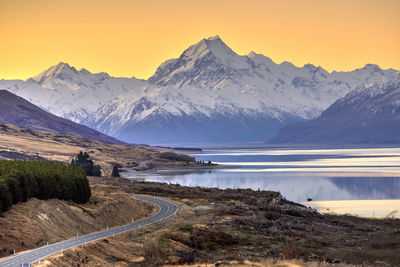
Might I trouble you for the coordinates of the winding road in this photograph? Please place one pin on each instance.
(166, 210)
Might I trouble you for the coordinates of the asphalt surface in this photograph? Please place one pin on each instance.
(166, 210)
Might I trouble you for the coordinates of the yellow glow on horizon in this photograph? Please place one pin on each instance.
(379, 208)
(132, 38)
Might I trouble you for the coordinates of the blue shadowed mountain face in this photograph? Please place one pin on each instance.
(367, 115)
(159, 128)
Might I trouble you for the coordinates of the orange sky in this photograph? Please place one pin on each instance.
(132, 38)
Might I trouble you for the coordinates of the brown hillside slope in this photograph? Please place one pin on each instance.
(19, 112)
(19, 143)
(31, 224)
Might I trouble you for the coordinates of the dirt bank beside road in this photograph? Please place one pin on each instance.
(36, 222)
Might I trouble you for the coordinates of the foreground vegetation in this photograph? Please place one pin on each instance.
(223, 226)
(21, 180)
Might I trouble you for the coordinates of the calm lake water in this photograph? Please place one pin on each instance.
(325, 175)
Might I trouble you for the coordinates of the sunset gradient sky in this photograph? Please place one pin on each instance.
(132, 38)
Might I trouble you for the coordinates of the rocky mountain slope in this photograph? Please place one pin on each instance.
(369, 114)
(16, 110)
(208, 94)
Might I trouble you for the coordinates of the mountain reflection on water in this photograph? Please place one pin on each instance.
(320, 174)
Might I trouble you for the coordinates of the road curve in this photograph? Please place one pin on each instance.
(166, 210)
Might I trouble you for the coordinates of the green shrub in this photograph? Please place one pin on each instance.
(21, 180)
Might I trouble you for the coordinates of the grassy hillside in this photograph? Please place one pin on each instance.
(19, 143)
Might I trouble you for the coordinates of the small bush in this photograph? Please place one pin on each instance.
(155, 252)
(186, 227)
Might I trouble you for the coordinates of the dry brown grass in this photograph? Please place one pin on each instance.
(268, 263)
(63, 148)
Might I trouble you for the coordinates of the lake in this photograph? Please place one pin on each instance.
(329, 176)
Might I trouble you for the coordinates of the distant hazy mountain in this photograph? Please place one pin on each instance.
(208, 94)
(368, 114)
(16, 110)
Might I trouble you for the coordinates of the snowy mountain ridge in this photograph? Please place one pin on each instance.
(208, 86)
(367, 115)
(211, 82)
(69, 93)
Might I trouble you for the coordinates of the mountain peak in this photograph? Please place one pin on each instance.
(252, 54)
(312, 68)
(84, 71)
(61, 67)
(372, 67)
(213, 45)
(214, 38)
(199, 59)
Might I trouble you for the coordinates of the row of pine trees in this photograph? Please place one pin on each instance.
(21, 180)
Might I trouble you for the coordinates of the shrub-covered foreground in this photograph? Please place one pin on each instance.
(21, 180)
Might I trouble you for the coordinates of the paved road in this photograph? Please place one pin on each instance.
(166, 209)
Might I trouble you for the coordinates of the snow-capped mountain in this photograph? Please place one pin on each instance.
(69, 93)
(211, 94)
(208, 94)
(368, 114)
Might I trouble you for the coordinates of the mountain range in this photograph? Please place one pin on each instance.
(208, 94)
(17, 111)
(70, 93)
(368, 114)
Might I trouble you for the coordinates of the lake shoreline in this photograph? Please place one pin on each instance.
(176, 169)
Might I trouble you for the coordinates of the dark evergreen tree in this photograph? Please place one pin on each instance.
(115, 171)
(83, 160)
(96, 170)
